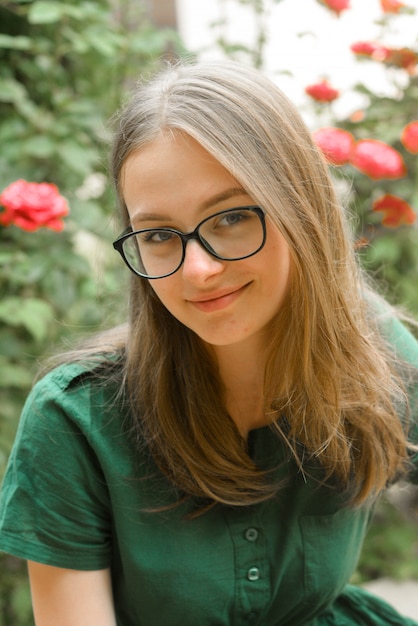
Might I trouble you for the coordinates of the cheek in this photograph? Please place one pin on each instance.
(157, 290)
(279, 257)
(286, 267)
(166, 290)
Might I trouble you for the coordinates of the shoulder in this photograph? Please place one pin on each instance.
(395, 329)
(70, 439)
(96, 362)
(402, 347)
(74, 374)
(80, 393)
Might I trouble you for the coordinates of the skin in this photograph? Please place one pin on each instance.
(65, 597)
(174, 182)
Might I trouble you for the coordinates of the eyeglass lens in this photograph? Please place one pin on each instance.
(229, 235)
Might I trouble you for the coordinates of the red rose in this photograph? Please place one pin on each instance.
(335, 143)
(395, 211)
(33, 205)
(377, 159)
(357, 116)
(370, 49)
(409, 137)
(322, 91)
(336, 5)
(402, 57)
(391, 6)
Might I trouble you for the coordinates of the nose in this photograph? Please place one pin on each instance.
(199, 264)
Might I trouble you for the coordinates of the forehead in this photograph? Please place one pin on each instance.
(171, 171)
(171, 148)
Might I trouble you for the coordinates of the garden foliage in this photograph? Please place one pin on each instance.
(379, 169)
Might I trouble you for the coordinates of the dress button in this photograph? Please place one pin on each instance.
(253, 573)
(251, 534)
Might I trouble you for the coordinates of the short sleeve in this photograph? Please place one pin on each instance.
(405, 349)
(54, 505)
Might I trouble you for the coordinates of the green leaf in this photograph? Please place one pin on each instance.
(77, 157)
(21, 602)
(88, 215)
(16, 43)
(32, 313)
(41, 147)
(107, 46)
(48, 12)
(11, 90)
(62, 289)
(44, 12)
(12, 375)
(384, 250)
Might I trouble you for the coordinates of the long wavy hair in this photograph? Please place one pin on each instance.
(328, 377)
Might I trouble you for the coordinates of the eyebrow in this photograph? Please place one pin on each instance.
(207, 204)
(224, 195)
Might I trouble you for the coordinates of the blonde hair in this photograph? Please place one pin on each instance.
(328, 374)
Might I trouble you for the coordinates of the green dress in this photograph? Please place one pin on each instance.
(77, 494)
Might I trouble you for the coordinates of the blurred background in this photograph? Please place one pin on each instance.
(349, 65)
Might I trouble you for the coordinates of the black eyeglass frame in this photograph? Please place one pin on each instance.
(185, 237)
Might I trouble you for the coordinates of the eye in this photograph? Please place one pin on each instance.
(233, 218)
(156, 237)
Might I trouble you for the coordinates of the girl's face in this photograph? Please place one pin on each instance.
(173, 182)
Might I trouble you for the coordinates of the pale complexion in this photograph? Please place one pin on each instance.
(173, 182)
(65, 597)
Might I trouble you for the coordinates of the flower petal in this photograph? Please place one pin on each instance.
(31, 205)
(377, 160)
(336, 5)
(409, 137)
(404, 58)
(396, 211)
(370, 49)
(322, 91)
(335, 143)
(391, 6)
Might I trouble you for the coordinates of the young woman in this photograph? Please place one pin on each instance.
(217, 460)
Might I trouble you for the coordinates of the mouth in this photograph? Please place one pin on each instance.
(217, 300)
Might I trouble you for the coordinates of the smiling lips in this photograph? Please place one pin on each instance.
(214, 302)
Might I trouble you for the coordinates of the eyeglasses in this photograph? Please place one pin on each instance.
(229, 235)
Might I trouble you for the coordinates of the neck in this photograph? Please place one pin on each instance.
(241, 368)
